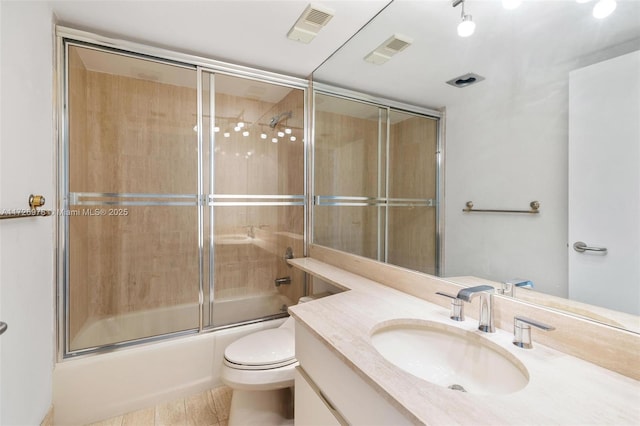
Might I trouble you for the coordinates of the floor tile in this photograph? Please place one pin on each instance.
(201, 410)
(222, 400)
(144, 417)
(171, 414)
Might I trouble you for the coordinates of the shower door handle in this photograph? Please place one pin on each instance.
(3, 327)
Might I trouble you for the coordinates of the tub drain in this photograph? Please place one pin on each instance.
(458, 388)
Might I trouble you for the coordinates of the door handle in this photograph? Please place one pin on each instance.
(581, 247)
(3, 327)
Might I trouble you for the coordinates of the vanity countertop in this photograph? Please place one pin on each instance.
(562, 389)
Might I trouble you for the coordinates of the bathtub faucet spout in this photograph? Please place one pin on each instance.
(282, 281)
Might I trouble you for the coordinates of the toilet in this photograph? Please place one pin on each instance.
(259, 368)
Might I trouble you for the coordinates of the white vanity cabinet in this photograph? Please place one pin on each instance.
(328, 392)
(311, 407)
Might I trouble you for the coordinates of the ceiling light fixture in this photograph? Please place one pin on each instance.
(604, 8)
(467, 26)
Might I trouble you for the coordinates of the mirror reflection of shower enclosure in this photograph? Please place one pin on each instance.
(180, 198)
(376, 182)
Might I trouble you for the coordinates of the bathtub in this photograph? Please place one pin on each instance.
(153, 322)
(91, 388)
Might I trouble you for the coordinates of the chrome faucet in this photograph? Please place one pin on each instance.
(509, 286)
(522, 331)
(457, 307)
(485, 320)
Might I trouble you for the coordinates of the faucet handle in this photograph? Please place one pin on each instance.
(457, 307)
(522, 331)
(508, 288)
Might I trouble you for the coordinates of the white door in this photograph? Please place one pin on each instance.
(604, 183)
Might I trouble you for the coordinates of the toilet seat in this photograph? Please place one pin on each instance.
(264, 350)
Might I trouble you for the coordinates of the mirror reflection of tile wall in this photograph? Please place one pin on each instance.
(352, 158)
(411, 241)
(346, 164)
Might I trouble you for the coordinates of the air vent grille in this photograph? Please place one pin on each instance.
(386, 50)
(309, 23)
(397, 44)
(317, 17)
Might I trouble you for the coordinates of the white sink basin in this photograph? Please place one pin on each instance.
(450, 357)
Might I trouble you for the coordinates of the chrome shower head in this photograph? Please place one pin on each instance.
(278, 118)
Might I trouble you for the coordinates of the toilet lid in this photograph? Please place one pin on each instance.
(266, 347)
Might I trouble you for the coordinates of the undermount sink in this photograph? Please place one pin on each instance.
(451, 357)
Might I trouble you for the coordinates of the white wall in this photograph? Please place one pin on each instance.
(26, 245)
(507, 146)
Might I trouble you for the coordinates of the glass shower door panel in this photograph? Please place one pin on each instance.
(133, 265)
(349, 176)
(131, 125)
(348, 150)
(349, 228)
(411, 239)
(133, 273)
(413, 146)
(412, 191)
(256, 197)
(252, 278)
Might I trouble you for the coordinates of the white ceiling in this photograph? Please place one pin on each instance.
(517, 49)
(251, 33)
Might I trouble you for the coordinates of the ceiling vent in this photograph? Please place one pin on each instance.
(394, 44)
(465, 80)
(310, 23)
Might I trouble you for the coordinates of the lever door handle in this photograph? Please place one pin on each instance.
(581, 247)
(3, 327)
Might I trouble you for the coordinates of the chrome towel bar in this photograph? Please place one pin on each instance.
(535, 206)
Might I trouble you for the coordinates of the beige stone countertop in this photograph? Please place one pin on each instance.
(562, 389)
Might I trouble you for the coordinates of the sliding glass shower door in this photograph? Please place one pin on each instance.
(183, 191)
(255, 203)
(132, 206)
(375, 182)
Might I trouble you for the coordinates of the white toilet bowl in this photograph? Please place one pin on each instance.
(260, 369)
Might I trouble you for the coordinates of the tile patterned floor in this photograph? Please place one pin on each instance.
(210, 408)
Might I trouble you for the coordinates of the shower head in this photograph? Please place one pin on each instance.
(278, 118)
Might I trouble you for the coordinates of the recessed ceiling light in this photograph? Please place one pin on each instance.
(310, 23)
(465, 80)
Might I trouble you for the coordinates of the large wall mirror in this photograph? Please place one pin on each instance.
(547, 109)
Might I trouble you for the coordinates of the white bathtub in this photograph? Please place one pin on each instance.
(96, 387)
(153, 322)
